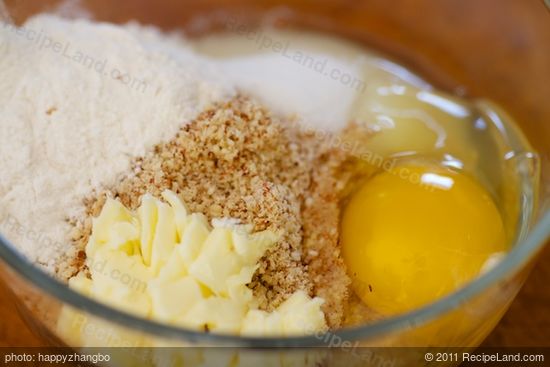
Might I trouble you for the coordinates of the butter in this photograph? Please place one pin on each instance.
(161, 262)
(298, 315)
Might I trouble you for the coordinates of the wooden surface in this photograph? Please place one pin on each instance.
(527, 323)
(502, 51)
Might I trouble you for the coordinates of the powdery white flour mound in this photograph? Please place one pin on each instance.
(79, 100)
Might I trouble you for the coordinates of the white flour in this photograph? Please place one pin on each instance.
(78, 101)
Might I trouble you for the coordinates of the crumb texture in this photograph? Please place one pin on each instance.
(237, 161)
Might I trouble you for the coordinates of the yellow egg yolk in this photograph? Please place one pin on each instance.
(414, 234)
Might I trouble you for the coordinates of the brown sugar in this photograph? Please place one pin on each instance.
(237, 161)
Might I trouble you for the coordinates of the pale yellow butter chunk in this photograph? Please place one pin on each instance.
(124, 236)
(163, 263)
(298, 315)
(258, 323)
(251, 247)
(173, 299)
(164, 240)
(115, 269)
(134, 302)
(216, 262)
(113, 212)
(147, 215)
(174, 269)
(216, 313)
(302, 315)
(180, 211)
(236, 284)
(193, 238)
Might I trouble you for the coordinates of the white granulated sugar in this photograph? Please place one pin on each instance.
(78, 101)
(320, 92)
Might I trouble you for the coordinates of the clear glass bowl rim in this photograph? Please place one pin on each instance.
(518, 257)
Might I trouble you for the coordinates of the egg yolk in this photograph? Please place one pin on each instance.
(414, 234)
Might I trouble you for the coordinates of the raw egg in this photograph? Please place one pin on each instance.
(416, 233)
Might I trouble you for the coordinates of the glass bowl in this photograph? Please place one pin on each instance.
(496, 50)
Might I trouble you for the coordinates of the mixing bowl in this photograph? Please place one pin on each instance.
(496, 50)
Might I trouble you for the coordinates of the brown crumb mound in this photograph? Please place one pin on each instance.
(237, 161)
